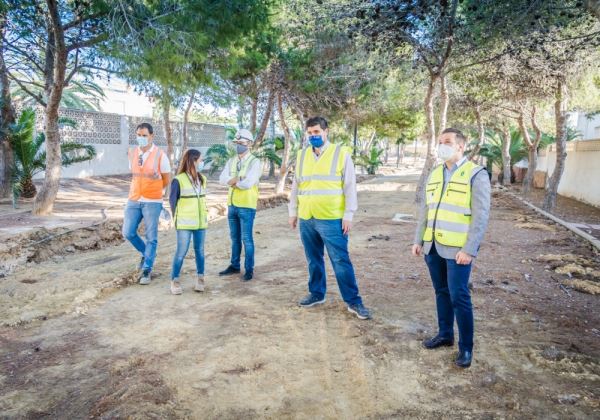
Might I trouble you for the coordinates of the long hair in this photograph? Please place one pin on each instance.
(188, 165)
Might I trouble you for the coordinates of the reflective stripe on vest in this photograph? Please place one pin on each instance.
(449, 214)
(242, 198)
(191, 212)
(320, 183)
(146, 179)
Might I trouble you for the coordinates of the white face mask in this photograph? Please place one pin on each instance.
(446, 152)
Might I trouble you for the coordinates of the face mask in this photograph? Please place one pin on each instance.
(142, 141)
(241, 148)
(445, 152)
(200, 166)
(316, 141)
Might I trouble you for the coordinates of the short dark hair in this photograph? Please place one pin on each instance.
(322, 122)
(147, 126)
(459, 134)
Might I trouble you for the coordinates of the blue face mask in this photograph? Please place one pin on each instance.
(142, 141)
(200, 166)
(241, 148)
(316, 141)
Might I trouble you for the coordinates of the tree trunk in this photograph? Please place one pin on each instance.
(532, 146)
(430, 158)
(265, 121)
(44, 200)
(166, 106)
(444, 102)
(186, 118)
(560, 115)
(593, 6)
(480, 134)
(387, 152)
(284, 170)
(506, 163)
(253, 113)
(7, 117)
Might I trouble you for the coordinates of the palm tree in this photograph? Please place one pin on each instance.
(492, 149)
(370, 160)
(31, 160)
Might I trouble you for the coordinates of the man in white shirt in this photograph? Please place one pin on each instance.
(242, 175)
(150, 169)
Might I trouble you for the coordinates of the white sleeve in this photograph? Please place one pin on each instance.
(165, 165)
(253, 177)
(224, 177)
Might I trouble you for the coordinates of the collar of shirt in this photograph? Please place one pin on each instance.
(456, 165)
(323, 148)
(147, 152)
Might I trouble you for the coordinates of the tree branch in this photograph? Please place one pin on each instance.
(88, 42)
(35, 96)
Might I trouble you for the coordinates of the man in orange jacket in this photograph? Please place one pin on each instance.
(150, 170)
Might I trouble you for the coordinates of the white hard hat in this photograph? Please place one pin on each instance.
(243, 134)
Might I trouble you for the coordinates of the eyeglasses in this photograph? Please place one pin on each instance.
(238, 136)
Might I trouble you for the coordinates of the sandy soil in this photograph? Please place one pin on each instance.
(77, 343)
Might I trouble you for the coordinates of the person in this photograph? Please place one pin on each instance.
(242, 175)
(150, 169)
(324, 198)
(188, 206)
(451, 225)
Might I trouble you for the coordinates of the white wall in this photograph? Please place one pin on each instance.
(581, 178)
(588, 127)
(112, 135)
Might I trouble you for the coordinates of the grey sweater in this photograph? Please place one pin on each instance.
(480, 213)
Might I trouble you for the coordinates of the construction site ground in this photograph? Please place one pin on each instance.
(80, 339)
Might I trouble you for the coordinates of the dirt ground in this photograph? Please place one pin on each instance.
(79, 339)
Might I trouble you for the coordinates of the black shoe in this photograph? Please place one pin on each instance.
(247, 276)
(311, 300)
(360, 311)
(229, 270)
(463, 360)
(437, 341)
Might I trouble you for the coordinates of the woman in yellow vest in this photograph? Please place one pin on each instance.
(242, 175)
(187, 199)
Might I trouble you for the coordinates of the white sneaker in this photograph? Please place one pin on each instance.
(199, 284)
(146, 277)
(176, 287)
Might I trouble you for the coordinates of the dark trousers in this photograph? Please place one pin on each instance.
(452, 297)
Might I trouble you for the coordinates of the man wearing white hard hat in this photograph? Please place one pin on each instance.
(241, 174)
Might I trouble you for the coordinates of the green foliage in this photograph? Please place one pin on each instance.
(30, 159)
(492, 149)
(370, 160)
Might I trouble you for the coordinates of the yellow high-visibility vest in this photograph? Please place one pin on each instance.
(449, 214)
(238, 197)
(320, 183)
(191, 212)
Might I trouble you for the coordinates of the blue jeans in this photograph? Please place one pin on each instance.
(317, 235)
(452, 297)
(135, 211)
(184, 237)
(241, 222)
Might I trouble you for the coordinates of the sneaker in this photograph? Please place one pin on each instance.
(199, 287)
(360, 311)
(247, 276)
(145, 277)
(311, 300)
(229, 270)
(176, 287)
